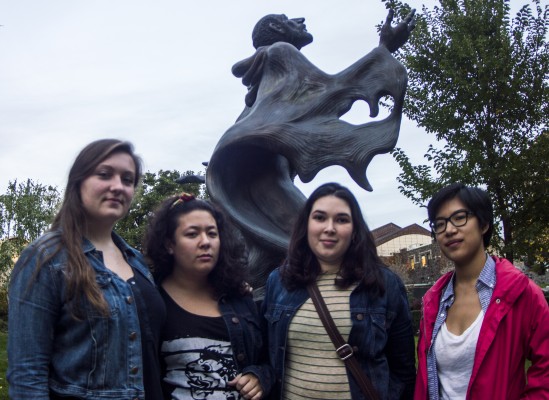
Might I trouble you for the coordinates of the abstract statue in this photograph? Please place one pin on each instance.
(290, 126)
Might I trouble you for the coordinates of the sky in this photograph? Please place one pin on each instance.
(158, 73)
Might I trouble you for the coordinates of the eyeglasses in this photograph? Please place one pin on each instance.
(458, 218)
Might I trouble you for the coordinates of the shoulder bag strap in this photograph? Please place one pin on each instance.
(343, 349)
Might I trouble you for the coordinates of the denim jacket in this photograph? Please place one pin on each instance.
(98, 357)
(244, 326)
(381, 334)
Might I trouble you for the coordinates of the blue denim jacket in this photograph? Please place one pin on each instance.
(244, 325)
(97, 357)
(381, 334)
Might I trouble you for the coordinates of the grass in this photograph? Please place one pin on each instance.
(3, 365)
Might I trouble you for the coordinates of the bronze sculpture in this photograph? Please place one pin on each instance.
(290, 126)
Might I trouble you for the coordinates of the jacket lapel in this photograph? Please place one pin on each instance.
(510, 283)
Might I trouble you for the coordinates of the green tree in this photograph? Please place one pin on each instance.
(533, 240)
(153, 190)
(478, 81)
(26, 211)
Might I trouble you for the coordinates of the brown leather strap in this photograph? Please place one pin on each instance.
(343, 349)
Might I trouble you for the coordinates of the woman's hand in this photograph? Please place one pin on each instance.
(248, 385)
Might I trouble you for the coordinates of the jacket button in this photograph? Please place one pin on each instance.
(133, 335)
(129, 299)
(360, 317)
(241, 357)
(498, 301)
(134, 370)
(355, 349)
(235, 320)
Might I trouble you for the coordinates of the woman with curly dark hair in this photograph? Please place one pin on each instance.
(332, 252)
(211, 343)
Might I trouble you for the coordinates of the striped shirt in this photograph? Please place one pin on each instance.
(485, 287)
(313, 369)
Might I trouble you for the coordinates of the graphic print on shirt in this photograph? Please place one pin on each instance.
(199, 368)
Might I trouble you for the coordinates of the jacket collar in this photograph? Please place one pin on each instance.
(510, 282)
(434, 294)
(125, 248)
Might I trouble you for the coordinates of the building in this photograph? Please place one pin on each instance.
(411, 252)
(391, 239)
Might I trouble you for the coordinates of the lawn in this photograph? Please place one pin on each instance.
(3, 365)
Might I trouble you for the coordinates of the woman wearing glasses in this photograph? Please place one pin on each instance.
(482, 320)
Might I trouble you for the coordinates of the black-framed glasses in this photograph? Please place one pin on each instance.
(458, 218)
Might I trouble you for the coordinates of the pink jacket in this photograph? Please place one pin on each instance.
(515, 327)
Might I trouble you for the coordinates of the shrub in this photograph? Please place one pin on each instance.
(416, 317)
(3, 302)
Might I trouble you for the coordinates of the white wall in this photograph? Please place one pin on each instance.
(403, 242)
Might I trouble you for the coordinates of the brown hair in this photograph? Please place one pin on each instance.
(361, 262)
(71, 223)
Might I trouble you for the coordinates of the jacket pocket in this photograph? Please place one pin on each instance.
(275, 331)
(104, 281)
(273, 314)
(378, 332)
(254, 330)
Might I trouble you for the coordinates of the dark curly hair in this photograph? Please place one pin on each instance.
(360, 263)
(229, 274)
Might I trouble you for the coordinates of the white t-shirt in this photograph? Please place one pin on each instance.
(455, 358)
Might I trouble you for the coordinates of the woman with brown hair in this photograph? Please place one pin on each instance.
(332, 256)
(83, 309)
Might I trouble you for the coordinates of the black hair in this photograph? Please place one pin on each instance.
(475, 199)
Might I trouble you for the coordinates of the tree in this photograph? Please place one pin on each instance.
(478, 81)
(534, 241)
(26, 211)
(154, 189)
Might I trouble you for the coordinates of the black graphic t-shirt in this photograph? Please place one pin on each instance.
(197, 356)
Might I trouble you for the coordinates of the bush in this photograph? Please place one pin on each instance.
(3, 309)
(415, 304)
(416, 318)
(3, 302)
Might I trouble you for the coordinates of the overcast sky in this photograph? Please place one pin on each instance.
(158, 73)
